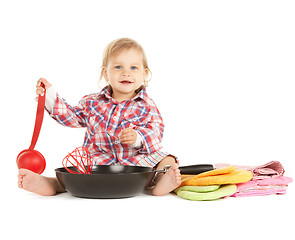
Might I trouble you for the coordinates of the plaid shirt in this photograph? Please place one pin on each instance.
(104, 118)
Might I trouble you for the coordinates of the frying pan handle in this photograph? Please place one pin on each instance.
(196, 169)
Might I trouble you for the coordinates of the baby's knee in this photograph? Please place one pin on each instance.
(170, 159)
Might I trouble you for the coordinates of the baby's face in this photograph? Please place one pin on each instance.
(125, 73)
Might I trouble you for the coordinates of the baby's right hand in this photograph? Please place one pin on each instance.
(39, 89)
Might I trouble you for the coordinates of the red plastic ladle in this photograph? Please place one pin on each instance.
(32, 159)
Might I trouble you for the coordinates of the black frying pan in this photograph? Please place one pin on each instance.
(115, 181)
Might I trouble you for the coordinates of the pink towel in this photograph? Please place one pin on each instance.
(261, 187)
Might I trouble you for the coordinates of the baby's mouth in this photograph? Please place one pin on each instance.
(125, 82)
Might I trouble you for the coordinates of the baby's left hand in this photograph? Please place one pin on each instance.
(128, 136)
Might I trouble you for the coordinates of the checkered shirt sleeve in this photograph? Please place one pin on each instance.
(69, 116)
(152, 132)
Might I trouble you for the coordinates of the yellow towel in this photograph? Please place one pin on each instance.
(218, 171)
(219, 176)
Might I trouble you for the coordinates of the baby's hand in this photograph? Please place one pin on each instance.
(128, 136)
(39, 89)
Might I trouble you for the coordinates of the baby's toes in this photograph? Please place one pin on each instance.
(178, 179)
(177, 176)
(177, 173)
(20, 182)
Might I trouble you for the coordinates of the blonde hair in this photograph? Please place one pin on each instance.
(117, 46)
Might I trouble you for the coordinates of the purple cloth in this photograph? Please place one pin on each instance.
(272, 169)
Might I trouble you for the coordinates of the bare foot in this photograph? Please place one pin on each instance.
(168, 182)
(35, 183)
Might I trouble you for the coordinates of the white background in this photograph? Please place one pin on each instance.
(223, 79)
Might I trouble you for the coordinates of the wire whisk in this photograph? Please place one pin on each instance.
(80, 159)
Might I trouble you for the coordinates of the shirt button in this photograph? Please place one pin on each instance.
(115, 118)
(117, 142)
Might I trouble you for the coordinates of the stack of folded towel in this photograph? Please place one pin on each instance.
(263, 187)
(267, 179)
(213, 184)
(234, 181)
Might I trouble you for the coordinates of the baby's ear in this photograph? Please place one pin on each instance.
(146, 73)
(104, 73)
(147, 77)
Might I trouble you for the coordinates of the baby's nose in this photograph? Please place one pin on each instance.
(126, 74)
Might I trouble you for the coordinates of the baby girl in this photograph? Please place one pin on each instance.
(123, 124)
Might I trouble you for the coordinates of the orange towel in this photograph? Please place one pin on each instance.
(219, 176)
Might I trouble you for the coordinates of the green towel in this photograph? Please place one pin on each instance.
(203, 193)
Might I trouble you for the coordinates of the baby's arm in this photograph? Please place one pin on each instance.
(58, 109)
(151, 134)
(50, 99)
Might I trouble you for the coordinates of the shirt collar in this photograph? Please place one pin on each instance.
(107, 92)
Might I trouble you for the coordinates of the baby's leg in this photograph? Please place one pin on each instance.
(39, 184)
(167, 182)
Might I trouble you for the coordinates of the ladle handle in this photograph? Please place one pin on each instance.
(39, 118)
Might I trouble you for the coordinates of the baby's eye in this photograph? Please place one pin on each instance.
(118, 67)
(133, 68)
